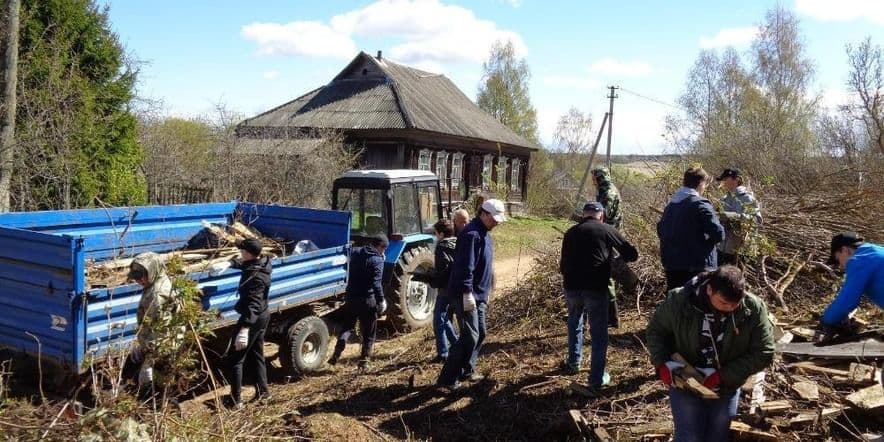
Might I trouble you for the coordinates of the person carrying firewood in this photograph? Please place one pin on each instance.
(740, 212)
(863, 264)
(364, 300)
(716, 333)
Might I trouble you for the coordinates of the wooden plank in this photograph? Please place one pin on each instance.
(775, 407)
(579, 422)
(862, 374)
(807, 390)
(810, 367)
(869, 349)
(869, 398)
(655, 428)
(601, 435)
(241, 229)
(742, 431)
(688, 369)
(803, 332)
(811, 416)
(690, 379)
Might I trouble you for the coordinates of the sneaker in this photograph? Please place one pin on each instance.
(606, 379)
(569, 369)
(333, 360)
(472, 377)
(364, 366)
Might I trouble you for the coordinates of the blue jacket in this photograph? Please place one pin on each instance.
(473, 257)
(688, 232)
(865, 276)
(366, 274)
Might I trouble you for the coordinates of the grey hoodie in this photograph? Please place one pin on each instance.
(155, 298)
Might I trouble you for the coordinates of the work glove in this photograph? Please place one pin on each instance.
(145, 376)
(667, 369)
(242, 339)
(713, 378)
(469, 302)
(823, 334)
(218, 268)
(382, 308)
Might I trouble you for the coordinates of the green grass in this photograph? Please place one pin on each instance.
(527, 233)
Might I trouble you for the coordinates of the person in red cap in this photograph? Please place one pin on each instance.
(863, 264)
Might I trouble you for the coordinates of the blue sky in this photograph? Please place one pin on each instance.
(252, 56)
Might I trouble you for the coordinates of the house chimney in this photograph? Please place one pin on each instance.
(380, 55)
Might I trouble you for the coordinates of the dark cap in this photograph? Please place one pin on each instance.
(593, 206)
(379, 240)
(136, 272)
(848, 239)
(729, 173)
(250, 245)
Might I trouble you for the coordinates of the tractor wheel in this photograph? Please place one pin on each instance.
(412, 301)
(305, 346)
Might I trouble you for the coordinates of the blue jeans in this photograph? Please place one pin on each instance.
(593, 303)
(442, 326)
(462, 357)
(698, 419)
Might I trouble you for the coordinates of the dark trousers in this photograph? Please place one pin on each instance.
(366, 313)
(678, 278)
(253, 354)
(464, 354)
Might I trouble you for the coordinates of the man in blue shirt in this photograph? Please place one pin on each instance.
(469, 290)
(863, 265)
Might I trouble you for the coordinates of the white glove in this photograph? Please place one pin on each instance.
(469, 302)
(219, 268)
(706, 371)
(242, 339)
(382, 307)
(145, 376)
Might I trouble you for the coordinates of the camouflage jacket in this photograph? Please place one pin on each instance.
(740, 212)
(609, 197)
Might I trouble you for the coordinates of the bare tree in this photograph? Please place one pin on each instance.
(866, 79)
(574, 131)
(7, 121)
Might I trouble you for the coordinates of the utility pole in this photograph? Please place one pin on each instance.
(612, 96)
(7, 119)
(595, 147)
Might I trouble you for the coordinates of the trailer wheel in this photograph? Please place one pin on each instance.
(305, 346)
(412, 301)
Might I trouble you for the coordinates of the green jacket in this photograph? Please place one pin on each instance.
(609, 197)
(748, 345)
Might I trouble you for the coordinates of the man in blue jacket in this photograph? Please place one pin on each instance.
(469, 290)
(863, 264)
(689, 231)
(364, 301)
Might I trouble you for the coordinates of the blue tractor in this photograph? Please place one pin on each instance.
(404, 205)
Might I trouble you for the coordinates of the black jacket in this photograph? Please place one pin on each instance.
(254, 288)
(689, 230)
(444, 257)
(366, 275)
(587, 253)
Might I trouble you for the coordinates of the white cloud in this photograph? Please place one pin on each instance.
(735, 37)
(425, 30)
(271, 75)
(304, 38)
(842, 10)
(615, 68)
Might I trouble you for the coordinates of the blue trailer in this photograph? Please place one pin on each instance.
(44, 293)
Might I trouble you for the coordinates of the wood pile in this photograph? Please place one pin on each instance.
(113, 272)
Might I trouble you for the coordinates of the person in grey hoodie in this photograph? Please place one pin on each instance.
(689, 231)
(740, 212)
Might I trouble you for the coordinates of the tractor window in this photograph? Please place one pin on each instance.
(405, 215)
(367, 207)
(426, 196)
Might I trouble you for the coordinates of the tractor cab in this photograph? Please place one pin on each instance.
(404, 205)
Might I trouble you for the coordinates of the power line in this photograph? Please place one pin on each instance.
(652, 99)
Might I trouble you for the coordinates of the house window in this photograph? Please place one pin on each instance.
(456, 170)
(423, 161)
(486, 171)
(442, 168)
(501, 170)
(515, 175)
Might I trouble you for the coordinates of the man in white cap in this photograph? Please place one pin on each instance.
(469, 290)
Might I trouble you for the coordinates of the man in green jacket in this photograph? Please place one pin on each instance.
(721, 330)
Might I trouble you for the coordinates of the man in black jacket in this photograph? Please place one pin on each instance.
(364, 301)
(443, 327)
(254, 288)
(587, 251)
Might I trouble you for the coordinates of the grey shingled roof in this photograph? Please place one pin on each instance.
(406, 98)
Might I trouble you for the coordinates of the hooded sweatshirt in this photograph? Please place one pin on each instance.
(254, 289)
(689, 230)
(155, 299)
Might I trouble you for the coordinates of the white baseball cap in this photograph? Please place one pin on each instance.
(496, 208)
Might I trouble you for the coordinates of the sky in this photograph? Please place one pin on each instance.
(253, 56)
